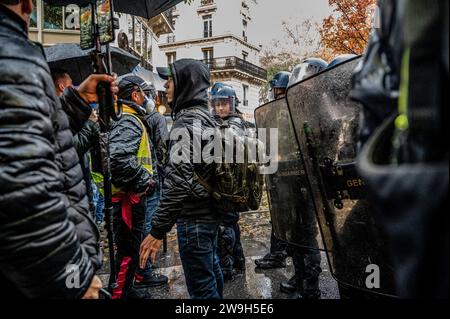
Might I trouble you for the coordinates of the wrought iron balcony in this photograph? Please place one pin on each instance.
(206, 2)
(229, 63)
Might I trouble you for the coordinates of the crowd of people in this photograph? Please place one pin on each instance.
(51, 189)
(51, 176)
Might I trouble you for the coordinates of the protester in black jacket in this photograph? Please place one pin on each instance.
(46, 234)
(132, 177)
(184, 200)
(84, 138)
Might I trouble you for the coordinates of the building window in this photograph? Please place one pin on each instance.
(130, 22)
(244, 55)
(171, 38)
(208, 56)
(145, 45)
(245, 94)
(206, 2)
(138, 36)
(53, 17)
(33, 17)
(149, 47)
(171, 57)
(207, 26)
(244, 32)
(61, 18)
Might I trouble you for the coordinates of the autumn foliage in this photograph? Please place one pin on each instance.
(348, 29)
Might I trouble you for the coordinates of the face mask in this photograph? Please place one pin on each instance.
(149, 104)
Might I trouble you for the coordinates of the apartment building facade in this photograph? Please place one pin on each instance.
(219, 32)
(50, 25)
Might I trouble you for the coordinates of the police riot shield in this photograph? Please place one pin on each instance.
(291, 206)
(326, 124)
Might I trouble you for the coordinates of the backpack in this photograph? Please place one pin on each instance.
(238, 186)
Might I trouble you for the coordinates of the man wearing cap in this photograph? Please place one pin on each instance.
(132, 172)
(185, 201)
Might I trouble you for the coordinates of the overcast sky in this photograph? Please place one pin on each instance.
(270, 14)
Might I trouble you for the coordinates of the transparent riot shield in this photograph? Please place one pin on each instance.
(326, 125)
(291, 205)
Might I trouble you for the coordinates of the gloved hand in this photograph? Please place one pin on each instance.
(150, 188)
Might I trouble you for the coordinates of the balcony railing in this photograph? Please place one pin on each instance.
(226, 63)
(206, 2)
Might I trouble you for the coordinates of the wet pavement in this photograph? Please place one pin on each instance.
(253, 284)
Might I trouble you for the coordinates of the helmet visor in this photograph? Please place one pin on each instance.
(223, 107)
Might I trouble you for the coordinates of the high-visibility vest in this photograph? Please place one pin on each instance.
(143, 156)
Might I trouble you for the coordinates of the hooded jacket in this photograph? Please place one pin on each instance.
(159, 135)
(44, 213)
(183, 195)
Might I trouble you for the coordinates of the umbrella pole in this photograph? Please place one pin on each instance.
(106, 112)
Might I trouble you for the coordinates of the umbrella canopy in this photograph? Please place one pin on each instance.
(142, 8)
(149, 76)
(78, 63)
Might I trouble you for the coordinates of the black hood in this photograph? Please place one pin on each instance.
(191, 79)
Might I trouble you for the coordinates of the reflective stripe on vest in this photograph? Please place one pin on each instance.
(143, 156)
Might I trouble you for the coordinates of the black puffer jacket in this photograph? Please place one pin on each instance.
(125, 137)
(44, 222)
(159, 135)
(183, 195)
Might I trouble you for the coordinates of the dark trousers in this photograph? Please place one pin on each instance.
(307, 268)
(277, 248)
(198, 252)
(152, 205)
(230, 248)
(128, 236)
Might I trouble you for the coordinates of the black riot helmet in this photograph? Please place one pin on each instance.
(216, 86)
(220, 85)
(341, 59)
(223, 96)
(279, 84)
(308, 68)
(280, 80)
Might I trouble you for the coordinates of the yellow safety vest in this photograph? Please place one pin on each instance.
(143, 156)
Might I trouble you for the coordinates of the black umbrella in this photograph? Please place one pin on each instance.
(78, 63)
(142, 8)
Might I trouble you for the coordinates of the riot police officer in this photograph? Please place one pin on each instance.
(279, 85)
(306, 261)
(224, 102)
(276, 258)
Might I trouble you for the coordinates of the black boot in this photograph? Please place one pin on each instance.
(271, 262)
(289, 286)
(228, 275)
(152, 280)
